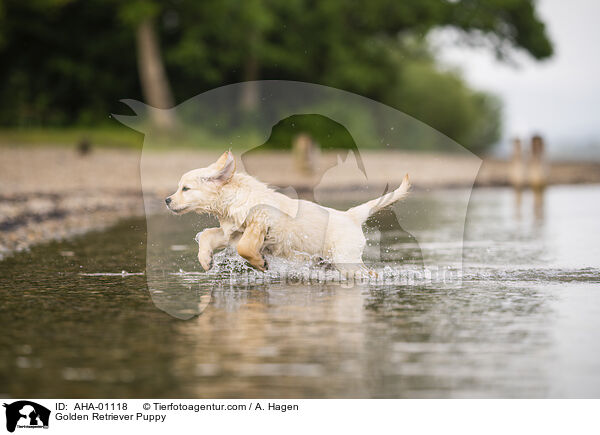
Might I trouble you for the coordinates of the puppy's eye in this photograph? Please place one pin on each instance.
(185, 189)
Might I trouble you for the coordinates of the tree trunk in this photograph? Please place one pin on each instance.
(249, 97)
(250, 91)
(153, 78)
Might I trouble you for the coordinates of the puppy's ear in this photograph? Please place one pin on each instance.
(225, 168)
(221, 160)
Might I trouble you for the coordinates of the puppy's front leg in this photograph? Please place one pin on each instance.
(209, 240)
(250, 245)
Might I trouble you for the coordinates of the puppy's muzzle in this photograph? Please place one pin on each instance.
(173, 207)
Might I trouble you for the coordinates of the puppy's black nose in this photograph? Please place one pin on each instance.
(168, 201)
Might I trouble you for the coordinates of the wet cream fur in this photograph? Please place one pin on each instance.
(256, 219)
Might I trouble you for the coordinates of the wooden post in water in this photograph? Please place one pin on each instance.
(517, 165)
(537, 165)
(306, 153)
(537, 175)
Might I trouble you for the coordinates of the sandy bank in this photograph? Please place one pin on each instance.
(50, 193)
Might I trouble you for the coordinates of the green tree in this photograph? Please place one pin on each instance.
(70, 61)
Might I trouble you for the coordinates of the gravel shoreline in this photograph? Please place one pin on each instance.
(49, 193)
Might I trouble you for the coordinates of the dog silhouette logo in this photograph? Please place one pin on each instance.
(303, 129)
(26, 414)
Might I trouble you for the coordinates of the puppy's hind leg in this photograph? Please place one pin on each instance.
(354, 270)
(250, 245)
(209, 240)
(349, 263)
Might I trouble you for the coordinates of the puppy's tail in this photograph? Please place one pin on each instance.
(361, 213)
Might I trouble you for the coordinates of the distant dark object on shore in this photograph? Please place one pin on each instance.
(84, 147)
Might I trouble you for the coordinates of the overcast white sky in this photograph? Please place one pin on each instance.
(560, 97)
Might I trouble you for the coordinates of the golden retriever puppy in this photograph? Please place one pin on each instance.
(257, 220)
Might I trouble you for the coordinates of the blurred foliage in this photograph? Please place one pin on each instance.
(108, 136)
(442, 100)
(68, 62)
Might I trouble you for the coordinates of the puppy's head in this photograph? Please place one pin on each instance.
(199, 189)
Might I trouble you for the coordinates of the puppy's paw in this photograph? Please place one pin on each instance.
(259, 264)
(205, 259)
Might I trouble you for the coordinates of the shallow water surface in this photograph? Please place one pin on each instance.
(78, 317)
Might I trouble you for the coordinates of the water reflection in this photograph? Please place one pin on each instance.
(536, 197)
(538, 204)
